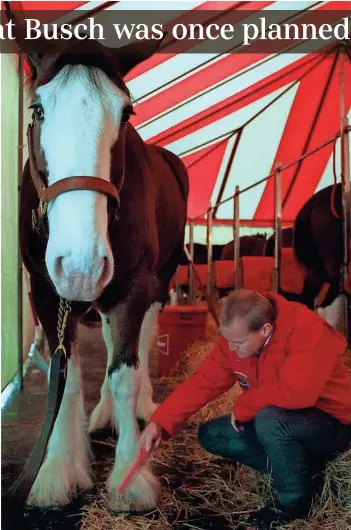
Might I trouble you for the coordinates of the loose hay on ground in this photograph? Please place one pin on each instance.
(196, 484)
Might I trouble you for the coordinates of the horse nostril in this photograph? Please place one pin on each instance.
(106, 272)
(58, 269)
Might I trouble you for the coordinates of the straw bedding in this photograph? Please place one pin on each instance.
(201, 491)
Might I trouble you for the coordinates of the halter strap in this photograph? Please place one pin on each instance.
(79, 183)
(36, 176)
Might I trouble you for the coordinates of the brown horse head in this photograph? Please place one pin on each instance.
(81, 107)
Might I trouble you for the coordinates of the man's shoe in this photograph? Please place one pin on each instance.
(275, 514)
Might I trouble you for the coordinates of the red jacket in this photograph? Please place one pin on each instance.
(301, 366)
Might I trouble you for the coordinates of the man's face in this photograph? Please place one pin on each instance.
(242, 341)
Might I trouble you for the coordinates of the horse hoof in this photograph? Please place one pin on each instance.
(35, 508)
(141, 496)
(131, 509)
(57, 485)
(54, 486)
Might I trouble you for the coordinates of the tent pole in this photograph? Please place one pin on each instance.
(177, 287)
(19, 268)
(227, 170)
(345, 185)
(278, 225)
(209, 254)
(191, 272)
(236, 236)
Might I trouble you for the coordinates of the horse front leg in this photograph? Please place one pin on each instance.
(145, 405)
(102, 414)
(124, 383)
(66, 467)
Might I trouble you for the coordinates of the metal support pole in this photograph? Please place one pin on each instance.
(236, 236)
(209, 253)
(345, 186)
(177, 287)
(202, 288)
(278, 225)
(227, 170)
(192, 285)
(19, 267)
(346, 207)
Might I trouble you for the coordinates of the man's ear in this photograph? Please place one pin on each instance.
(267, 329)
(34, 60)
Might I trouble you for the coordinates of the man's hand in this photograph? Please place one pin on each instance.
(151, 437)
(236, 427)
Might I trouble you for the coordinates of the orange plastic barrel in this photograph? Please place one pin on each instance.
(179, 326)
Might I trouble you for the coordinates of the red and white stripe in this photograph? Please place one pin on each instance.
(288, 104)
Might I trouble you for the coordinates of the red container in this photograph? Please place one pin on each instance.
(179, 325)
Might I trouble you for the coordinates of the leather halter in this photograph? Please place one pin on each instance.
(48, 193)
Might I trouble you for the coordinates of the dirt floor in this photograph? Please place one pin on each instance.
(199, 491)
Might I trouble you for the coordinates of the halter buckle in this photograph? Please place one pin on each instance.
(43, 208)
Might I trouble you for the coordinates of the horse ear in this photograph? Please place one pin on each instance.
(131, 55)
(34, 59)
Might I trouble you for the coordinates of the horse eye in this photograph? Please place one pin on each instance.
(125, 117)
(38, 111)
(127, 112)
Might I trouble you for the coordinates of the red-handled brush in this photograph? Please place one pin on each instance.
(143, 455)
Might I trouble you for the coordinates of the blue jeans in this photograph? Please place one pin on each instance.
(293, 445)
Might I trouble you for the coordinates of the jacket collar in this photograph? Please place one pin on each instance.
(285, 316)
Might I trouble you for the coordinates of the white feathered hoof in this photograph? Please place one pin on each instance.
(101, 416)
(56, 485)
(141, 495)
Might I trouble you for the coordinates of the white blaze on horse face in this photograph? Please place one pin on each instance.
(81, 123)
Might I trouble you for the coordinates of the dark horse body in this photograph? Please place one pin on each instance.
(249, 246)
(287, 241)
(136, 256)
(318, 245)
(201, 254)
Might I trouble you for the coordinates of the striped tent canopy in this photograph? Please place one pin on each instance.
(232, 116)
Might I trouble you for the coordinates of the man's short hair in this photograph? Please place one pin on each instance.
(250, 306)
